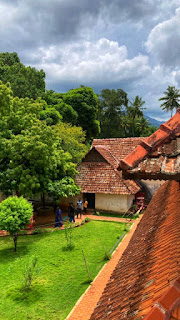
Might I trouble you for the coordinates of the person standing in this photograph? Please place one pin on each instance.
(79, 207)
(71, 212)
(85, 205)
(58, 219)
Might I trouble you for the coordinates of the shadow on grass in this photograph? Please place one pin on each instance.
(68, 247)
(21, 296)
(7, 254)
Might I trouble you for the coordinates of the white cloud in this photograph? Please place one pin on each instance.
(92, 63)
(164, 41)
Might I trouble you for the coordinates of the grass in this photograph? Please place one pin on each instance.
(62, 277)
(116, 215)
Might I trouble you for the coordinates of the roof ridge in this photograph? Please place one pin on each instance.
(166, 132)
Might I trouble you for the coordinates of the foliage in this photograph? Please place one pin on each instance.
(110, 112)
(63, 188)
(135, 111)
(171, 99)
(30, 272)
(85, 102)
(121, 118)
(55, 102)
(25, 81)
(15, 213)
(34, 155)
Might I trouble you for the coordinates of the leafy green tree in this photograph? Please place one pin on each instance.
(24, 81)
(85, 102)
(15, 214)
(33, 155)
(63, 188)
(171, 99)
(55, 101)
(135, 110)
(111, 105)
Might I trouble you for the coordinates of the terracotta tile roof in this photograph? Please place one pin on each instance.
(161, 150)
(101, 177)
(142, 281)
(118, 147)
(98, 170)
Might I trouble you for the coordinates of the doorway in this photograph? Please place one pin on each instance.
(91, 200)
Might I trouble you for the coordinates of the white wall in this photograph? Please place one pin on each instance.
(113, 202)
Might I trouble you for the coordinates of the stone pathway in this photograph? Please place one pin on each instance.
(85, 306)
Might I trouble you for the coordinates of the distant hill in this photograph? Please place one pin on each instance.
(154, 122)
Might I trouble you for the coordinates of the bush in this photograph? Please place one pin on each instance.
(87, 219)
(69, 234)
(15, 214)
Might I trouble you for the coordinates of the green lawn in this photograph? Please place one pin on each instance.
(62, 277)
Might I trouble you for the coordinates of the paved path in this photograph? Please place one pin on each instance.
(85, 306)
(91, 216)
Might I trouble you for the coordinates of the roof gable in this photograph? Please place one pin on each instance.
(158, 156)
(167, 132)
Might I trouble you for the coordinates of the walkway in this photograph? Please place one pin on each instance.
(85, 306)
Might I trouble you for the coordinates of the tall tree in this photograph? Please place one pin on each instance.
(85, 102)
(111, 105)
(135, 110)
(24, 81)
(171, 99)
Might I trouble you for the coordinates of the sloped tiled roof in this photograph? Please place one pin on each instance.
(95, 177)
(118, 147)
(158, 155)
(142, 282)
(98, 176)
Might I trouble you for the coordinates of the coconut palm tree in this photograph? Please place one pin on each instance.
(171, 99)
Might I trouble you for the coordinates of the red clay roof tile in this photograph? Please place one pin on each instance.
(144, 275)
(166, 142)
(98, 170)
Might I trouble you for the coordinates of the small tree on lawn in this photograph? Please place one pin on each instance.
(15, 214)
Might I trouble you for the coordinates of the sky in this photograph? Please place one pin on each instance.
(128, 44)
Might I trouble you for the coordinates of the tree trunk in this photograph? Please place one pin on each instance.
(43, 200)
(15, 235)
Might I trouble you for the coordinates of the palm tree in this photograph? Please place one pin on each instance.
(171, 99)
(135, 111)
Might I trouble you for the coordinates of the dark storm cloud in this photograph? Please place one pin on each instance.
(49, 22)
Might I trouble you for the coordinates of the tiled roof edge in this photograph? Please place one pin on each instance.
(164, 133)
(167, 303)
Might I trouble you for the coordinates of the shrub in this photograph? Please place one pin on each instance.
(87, 219)
(30, 272)
(15, 214)
(69, 234)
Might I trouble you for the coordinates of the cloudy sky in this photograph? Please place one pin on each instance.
(128, 44)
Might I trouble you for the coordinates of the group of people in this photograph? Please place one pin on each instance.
(80, 205)
(71, 212)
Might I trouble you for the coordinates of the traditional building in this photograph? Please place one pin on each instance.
(100, 181)
(146, 282)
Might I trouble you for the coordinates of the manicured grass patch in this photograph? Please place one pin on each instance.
(62, 277)
(116, 215)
